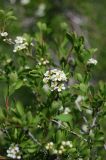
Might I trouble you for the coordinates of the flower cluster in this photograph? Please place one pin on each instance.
(14, 152)
(20, 44)
(55, 78)
(49, 145)
(85, 128)
(92, 61)
(43, 62)
(61, 149)
(5, 37)
(4, 34)
(24, 2)
(67, 144)
(78, 101)
(65, 111)
(41, 10)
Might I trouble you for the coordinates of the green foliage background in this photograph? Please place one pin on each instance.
(60, 16)
(56, 12)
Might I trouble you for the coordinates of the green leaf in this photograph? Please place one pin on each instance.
(31, 150)
(64, 117)
(42, 26)
(2, 116)
(30, 118)
(81, 39)
(99, 143)
(16, 120)
(79, 77)
(70, 38)
(56, 104)
(59, 136)
(99, 136)
(2, 12)
(10, 13)
(83, 87)
(101, 86)
(20, 109)
(36, 119)
(12, 18)
(15, 86)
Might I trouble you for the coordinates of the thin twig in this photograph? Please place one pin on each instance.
(74, 133)
(33, 138)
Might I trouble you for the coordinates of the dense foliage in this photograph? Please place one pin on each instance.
(50, 109)
(83, 16)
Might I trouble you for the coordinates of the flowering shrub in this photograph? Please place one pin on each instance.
(62, 114)
(14, 152)
(55, 78)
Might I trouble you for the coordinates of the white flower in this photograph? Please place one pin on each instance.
(53, 86)
(18, 157)
(9, 155)
(41, 10)
(19, 40)
(4, 34)
(61, 109)
(85, 128)
(13, 156)
(67, 143)
(14, 151)
(24, 2)
(4, 40)
(63, 143)
(91, 133)
(67, 110)
(45, 80)
(89, 111)
(25, 79)
(46, 87)
(42, 59)
(8, 151)
(58, 76)
(43, 62)
(47, 73)
(17, 148)
(12, 1)
(60, 87)
(39, 63)
(70, 145)
(27, 67)
(20, 44)
(49, 145)
(55, 151)
(55, 78)
(92, 61)
(19, 47)
(54, 70)
(60, 151)
(62, 147)
(78, 101)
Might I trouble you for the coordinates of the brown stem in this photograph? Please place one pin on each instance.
(7, 103)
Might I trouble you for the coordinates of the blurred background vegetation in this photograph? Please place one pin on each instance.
(86, 17)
